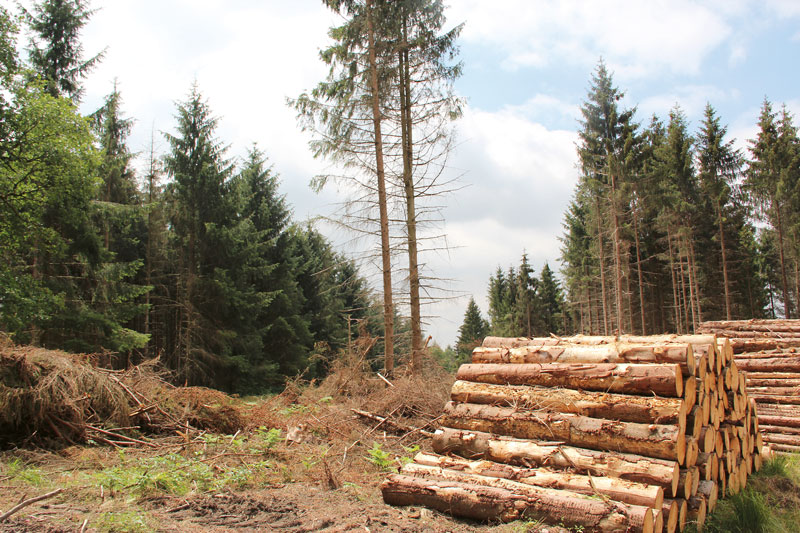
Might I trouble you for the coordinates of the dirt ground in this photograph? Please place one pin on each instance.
(300, 461)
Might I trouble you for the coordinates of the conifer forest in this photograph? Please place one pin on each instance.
(239, 322)
(194, 255)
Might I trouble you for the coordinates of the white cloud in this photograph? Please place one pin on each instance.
(636, 38)
(520, 179)
(691, 98)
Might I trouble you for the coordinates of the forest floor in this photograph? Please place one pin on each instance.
(302, 461)
(299, 461)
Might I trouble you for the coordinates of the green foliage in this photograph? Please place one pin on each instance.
(172, 474)
(472, 331)
(123, 522)
(269, 437)
(55, 49)
(521, 304)
(745, 512)
(380, 457)
(18, 470)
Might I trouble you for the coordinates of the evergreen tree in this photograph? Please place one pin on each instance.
(56, 53)
(471, 332)
(769, 189)
(552, 303)
(199, 171)
(719, 166)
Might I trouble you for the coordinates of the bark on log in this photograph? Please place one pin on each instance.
(775, 399)
(627, 408)
(777, 438)
(775, 391)
(709, 490)
(475, 445)
(493, 503)
(652, 440)
(671, 512)
(767, 324)
(779, 421)
(784, 448)
(616, 489)
(756, 345)
(680, 354)
(773, 364)
(660, 379)
(697, 511)
(772, 382)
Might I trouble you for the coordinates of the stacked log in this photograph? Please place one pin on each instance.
(603, 433)
(768, 353)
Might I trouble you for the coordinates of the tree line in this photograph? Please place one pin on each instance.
(667, 228)
(195, 260)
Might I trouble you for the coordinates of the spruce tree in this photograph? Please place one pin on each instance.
(471, 333)
(719, 166)
(198, 169)
(56, 53)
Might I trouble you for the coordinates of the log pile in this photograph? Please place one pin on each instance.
(602, 433)
(768, 352)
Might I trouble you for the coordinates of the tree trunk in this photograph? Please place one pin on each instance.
(675, 299)
(386, 262)
(661, 379)
(639, 272)
(617, 254)
(784, 288)
(474, 445)
(510, 501)
(662, 441)
(616, 489)
(602, 268)
(724, 262)
(411, 213)
(641, 409)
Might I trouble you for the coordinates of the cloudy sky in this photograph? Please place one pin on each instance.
(527, 68)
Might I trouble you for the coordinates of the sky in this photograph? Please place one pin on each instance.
(527, 68)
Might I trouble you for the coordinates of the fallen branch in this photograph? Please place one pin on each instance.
(28, 502)
(121, 437)
(395, 427)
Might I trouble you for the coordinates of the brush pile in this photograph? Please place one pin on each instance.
(53, 399)
(602, 433)
(769, 352)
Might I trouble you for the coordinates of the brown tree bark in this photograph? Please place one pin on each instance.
(475, 445)
(406, 130)
(681, 354)
(661, 379)
(628, 408)
(616, 489)
(775, 364)
(386, 262)
(514, 501)
(652, 440)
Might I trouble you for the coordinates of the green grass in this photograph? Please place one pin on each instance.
(769, 504)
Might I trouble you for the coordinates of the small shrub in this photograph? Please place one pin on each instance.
(379, 457)
(19, 471)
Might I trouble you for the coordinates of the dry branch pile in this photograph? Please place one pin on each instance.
(53, 399)
(604, 433)
(768, 351)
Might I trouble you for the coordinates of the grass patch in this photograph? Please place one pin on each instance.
(769, 504)
(17, 470)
